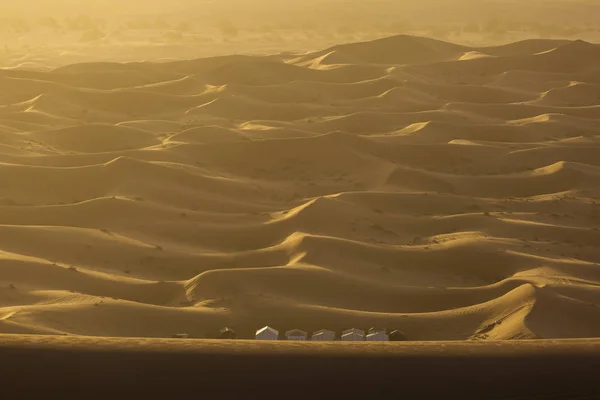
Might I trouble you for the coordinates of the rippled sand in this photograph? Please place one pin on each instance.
(447, 191)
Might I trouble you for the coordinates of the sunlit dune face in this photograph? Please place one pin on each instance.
(324, 165)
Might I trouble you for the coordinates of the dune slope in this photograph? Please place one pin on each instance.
(447, 191)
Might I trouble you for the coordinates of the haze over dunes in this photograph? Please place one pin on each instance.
(41, 35)
(446, 190)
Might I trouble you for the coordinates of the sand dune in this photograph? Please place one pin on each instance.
(447, 191)
(415, 50)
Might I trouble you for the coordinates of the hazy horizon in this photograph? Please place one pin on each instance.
(71, 31)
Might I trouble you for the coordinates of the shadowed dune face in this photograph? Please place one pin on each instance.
(447, 191)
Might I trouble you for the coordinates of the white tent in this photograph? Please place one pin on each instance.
(353, 330)
(353, 335)
(378, 336)
(267, 333)
(323, 335)
(296, 334)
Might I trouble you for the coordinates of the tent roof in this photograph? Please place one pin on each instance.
(396, 334)
(267, 328)
(296, 332)
(322, 331)
(353, 333)
(380, 333)
(351, 330)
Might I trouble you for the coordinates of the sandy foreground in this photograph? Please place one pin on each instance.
(76, 367)
(447, 191)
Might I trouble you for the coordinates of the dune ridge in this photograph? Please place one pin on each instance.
(447, 191)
